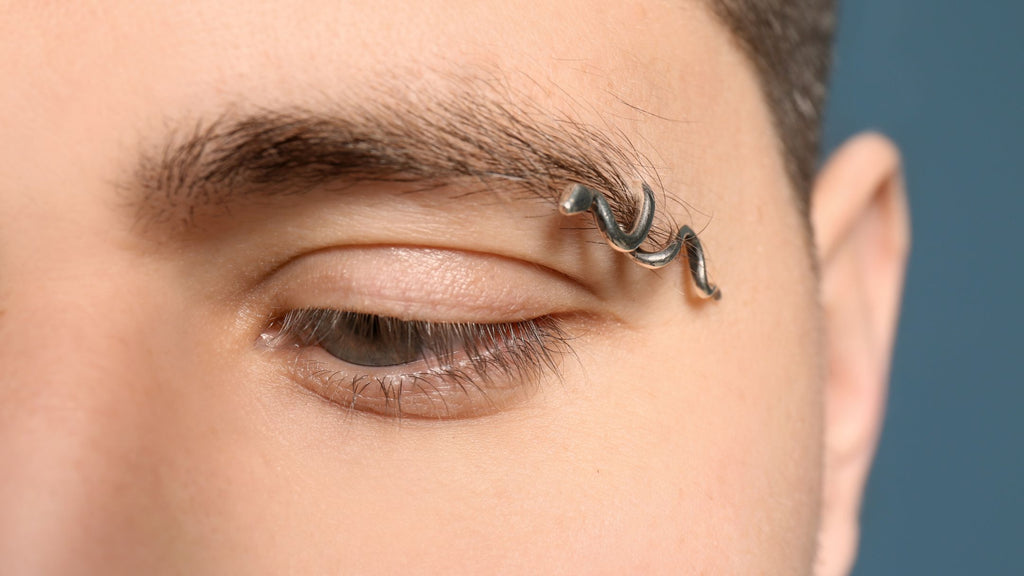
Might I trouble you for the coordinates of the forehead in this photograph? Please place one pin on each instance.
(131, 66)
(312, 43)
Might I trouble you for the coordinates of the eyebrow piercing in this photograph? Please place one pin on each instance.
(579, 198)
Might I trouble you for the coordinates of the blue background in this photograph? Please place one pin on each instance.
(945, 79)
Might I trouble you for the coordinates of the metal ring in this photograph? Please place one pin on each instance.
(694, 257)
(579, 198)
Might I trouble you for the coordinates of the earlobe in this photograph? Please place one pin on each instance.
(862, 234)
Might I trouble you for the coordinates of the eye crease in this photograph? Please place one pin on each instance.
(410, 368)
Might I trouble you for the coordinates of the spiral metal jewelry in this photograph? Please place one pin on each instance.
(579, 198)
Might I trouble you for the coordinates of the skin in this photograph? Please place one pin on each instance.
(144, 430)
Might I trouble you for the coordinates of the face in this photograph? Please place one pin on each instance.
(234, 339)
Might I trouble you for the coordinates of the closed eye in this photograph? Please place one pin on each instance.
(411, 368)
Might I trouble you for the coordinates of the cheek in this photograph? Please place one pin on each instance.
(715, 449)
(710, 456)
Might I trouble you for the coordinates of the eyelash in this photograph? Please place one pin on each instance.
(413, 368)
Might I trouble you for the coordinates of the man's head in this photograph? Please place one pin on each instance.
(284, 288)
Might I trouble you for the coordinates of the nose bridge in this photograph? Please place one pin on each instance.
(74, 415)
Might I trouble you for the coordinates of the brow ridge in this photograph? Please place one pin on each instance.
(469, 137)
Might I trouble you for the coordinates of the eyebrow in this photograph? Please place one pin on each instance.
(468, 136)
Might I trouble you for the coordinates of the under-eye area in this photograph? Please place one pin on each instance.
(417, 369)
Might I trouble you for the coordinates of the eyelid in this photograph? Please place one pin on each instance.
(474, 370)
(425, 284)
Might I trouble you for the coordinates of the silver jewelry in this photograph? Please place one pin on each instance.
(579, 198)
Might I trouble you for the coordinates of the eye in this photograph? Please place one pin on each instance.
(363, 339)
(410, 368)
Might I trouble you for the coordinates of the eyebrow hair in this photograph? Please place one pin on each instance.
(468, 135)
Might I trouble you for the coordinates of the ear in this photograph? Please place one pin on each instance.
(862, 233)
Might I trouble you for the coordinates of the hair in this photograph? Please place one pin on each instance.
(790, 45)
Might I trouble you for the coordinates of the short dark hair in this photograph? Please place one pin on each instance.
(790, 45)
